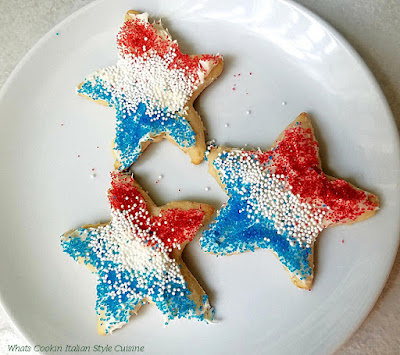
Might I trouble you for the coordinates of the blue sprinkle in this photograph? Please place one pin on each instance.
(119, 308)
(136, 127)
(233, 231)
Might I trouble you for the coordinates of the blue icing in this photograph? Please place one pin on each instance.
(233, 232)
(236, 230)
(136, 127)
(117, 309)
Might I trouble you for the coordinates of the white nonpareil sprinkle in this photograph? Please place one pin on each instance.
(270, 195)
(149, 79)
(127, 246)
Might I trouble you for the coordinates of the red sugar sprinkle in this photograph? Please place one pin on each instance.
(233, 88)
(171, 226)
(62, 124)
(79, 156)
(309, 289)
(131, 41)
(296, 157)
(342, 240)
(251, 73)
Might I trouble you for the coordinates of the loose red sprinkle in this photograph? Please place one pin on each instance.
(342, 240)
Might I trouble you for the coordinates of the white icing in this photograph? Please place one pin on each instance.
(144, 16)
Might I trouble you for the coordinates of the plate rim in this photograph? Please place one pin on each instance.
(373, 80)
(306, 12)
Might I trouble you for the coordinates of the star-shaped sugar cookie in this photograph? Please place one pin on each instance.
(281, 200)
(152, 87)
(137, 256)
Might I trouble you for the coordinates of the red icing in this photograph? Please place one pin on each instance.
(137, 37)
(296, 157)
(173, 226)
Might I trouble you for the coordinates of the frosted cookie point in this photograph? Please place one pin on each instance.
(152, 88)
(137, 256)
(281, 200)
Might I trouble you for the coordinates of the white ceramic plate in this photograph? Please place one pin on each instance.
(52, 139)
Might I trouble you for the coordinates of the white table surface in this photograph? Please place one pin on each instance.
(371, 26)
